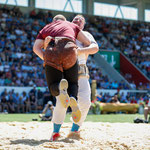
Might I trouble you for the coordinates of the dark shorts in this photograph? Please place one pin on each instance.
(62, 55)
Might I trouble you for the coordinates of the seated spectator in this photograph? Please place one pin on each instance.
(11, 104)
(33, 99)
(39, 98)
(21, 105)
(47, 112)
(114, 99)
(46, 97)
(133, 100)
(4, 93)
(27, 105)
(99, 97)
(123, 98)
(33, 91)
(33, 14)
(33, 102)
(4, 104)
(27, 102)
(16, 101)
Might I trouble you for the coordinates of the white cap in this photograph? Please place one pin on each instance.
(50, 102)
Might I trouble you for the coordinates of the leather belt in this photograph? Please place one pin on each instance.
(83, 71)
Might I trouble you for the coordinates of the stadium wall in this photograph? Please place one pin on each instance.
(112, 92)
(98, 91)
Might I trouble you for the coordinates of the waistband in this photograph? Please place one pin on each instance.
(63, 38)
(83, 71)
(55, 40)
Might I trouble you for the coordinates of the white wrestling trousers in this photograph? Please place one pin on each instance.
(84, 102)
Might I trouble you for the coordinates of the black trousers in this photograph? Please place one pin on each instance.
(54, 76)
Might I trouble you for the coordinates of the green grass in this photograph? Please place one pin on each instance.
(113, 118)
(93, 118)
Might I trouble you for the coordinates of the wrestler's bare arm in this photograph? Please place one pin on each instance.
(92, 49)
(37, 48)
(83, 39)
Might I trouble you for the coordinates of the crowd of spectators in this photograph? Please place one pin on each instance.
(36, 99)
(25, 102)
(130, 37)
(18, 64)
(20, 67)
(130, 98)
(119, 103)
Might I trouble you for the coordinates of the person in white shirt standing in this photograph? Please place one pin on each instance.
(84, 90)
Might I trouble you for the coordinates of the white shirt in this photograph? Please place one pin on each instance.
(82, 58)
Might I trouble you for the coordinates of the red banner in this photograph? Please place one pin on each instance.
(126, 67)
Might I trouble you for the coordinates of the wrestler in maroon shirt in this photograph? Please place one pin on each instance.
(60, 59)
(59, 28)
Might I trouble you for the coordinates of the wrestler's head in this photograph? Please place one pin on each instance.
(59, 17)
(79, 20)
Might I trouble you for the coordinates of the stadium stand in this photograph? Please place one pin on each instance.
(130, 37)
(19, 67)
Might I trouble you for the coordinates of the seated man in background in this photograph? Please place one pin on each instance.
(4, 104)
(115, 99)
(47, 112)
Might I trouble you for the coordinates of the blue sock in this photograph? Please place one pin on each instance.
(75, 127)
(56, 128)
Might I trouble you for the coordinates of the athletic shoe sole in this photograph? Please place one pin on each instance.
(63, 96)
(76, 113)
(74, 135)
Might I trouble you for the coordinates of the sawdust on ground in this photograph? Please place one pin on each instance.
(94, 136)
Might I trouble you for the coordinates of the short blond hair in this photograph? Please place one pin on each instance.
(59, 17)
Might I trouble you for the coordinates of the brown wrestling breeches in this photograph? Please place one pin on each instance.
(62, 55)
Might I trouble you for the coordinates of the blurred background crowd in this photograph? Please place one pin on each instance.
(19, 66)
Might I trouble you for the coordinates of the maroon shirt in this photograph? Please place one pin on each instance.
(59, 28)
